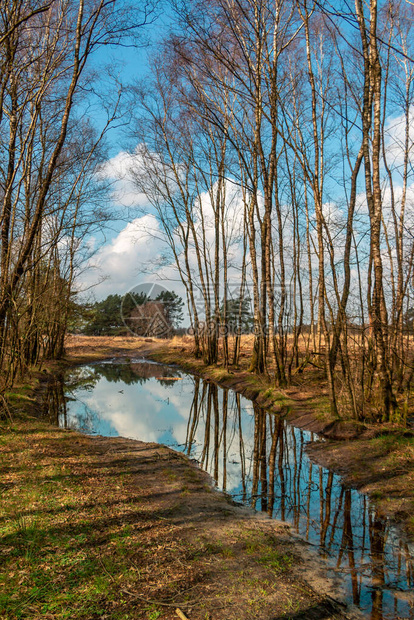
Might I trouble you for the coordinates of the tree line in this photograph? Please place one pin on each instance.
(50, 194)
(275, 147)
(117, 315)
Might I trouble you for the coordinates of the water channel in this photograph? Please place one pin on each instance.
(254, 456)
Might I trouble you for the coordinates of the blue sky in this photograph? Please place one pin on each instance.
(129, 64)
(127, 256)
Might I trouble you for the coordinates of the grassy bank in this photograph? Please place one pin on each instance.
(376, 459)
(114, 528)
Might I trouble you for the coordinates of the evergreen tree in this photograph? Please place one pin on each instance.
(173, 305)
(236, 319)
(106, 317)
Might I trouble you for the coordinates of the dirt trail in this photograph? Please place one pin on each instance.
(125, 529)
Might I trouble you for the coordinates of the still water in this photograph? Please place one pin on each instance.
(254, 456)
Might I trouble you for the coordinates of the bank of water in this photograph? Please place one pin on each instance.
(254, 456)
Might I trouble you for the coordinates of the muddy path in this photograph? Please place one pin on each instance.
(116, 528)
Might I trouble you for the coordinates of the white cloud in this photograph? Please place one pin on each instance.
(395, 129)
(123, 262)
(334, 216)
(118, 171)
(140, 252)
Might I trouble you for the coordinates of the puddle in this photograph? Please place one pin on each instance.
(254, 456)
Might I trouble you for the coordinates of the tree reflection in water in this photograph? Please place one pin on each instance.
(261, 461)
(277, 477)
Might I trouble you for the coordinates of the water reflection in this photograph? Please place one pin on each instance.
(257, 458)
